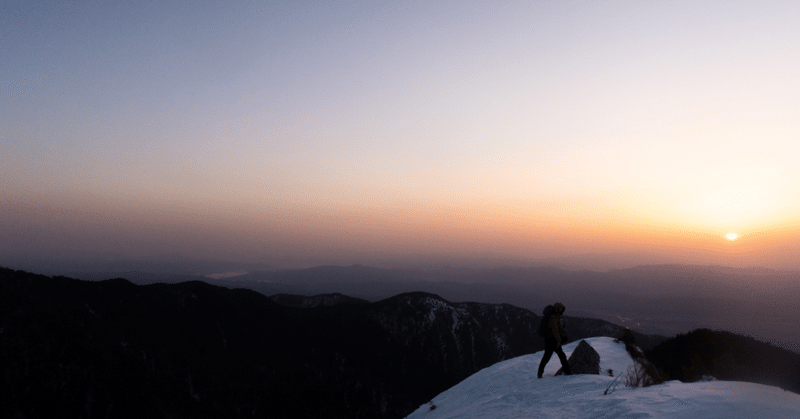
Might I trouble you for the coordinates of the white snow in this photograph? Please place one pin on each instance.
(510, 389)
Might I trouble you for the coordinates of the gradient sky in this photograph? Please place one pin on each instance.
(302, 133)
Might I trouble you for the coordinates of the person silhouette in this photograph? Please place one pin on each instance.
(553, 338)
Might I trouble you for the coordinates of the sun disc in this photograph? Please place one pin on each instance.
(732, 236)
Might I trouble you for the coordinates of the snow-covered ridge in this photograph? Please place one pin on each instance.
(510, 389)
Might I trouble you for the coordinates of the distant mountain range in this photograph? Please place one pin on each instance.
(652, 299)
(657, 299)
(179, 264)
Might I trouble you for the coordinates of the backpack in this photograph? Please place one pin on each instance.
(543, 327)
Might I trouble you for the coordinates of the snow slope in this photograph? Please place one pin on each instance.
(510, 389)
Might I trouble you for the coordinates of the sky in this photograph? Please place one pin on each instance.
(300, 133)
(510, 389)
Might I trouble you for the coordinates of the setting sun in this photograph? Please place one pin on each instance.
(732, 236)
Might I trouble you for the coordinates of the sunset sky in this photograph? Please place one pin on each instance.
(381, 132)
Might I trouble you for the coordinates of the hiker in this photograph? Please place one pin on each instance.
(553, 332)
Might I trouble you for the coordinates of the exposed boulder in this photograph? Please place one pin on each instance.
(584, 360)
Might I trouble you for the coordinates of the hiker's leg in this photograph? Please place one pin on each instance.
(563, 358)
(549, 346)
(545, 359)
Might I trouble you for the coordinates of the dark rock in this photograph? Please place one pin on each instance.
(584, 360)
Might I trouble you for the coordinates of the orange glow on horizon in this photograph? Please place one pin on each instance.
(358, 234)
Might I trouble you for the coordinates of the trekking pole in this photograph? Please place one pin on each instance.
(605, 393)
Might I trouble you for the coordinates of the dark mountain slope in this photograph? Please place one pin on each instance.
(112, 349)
(726, 356)
(302, 301)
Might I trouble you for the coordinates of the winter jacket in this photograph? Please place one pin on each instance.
(554, 323)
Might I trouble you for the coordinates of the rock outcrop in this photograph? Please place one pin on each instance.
(584, 360)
